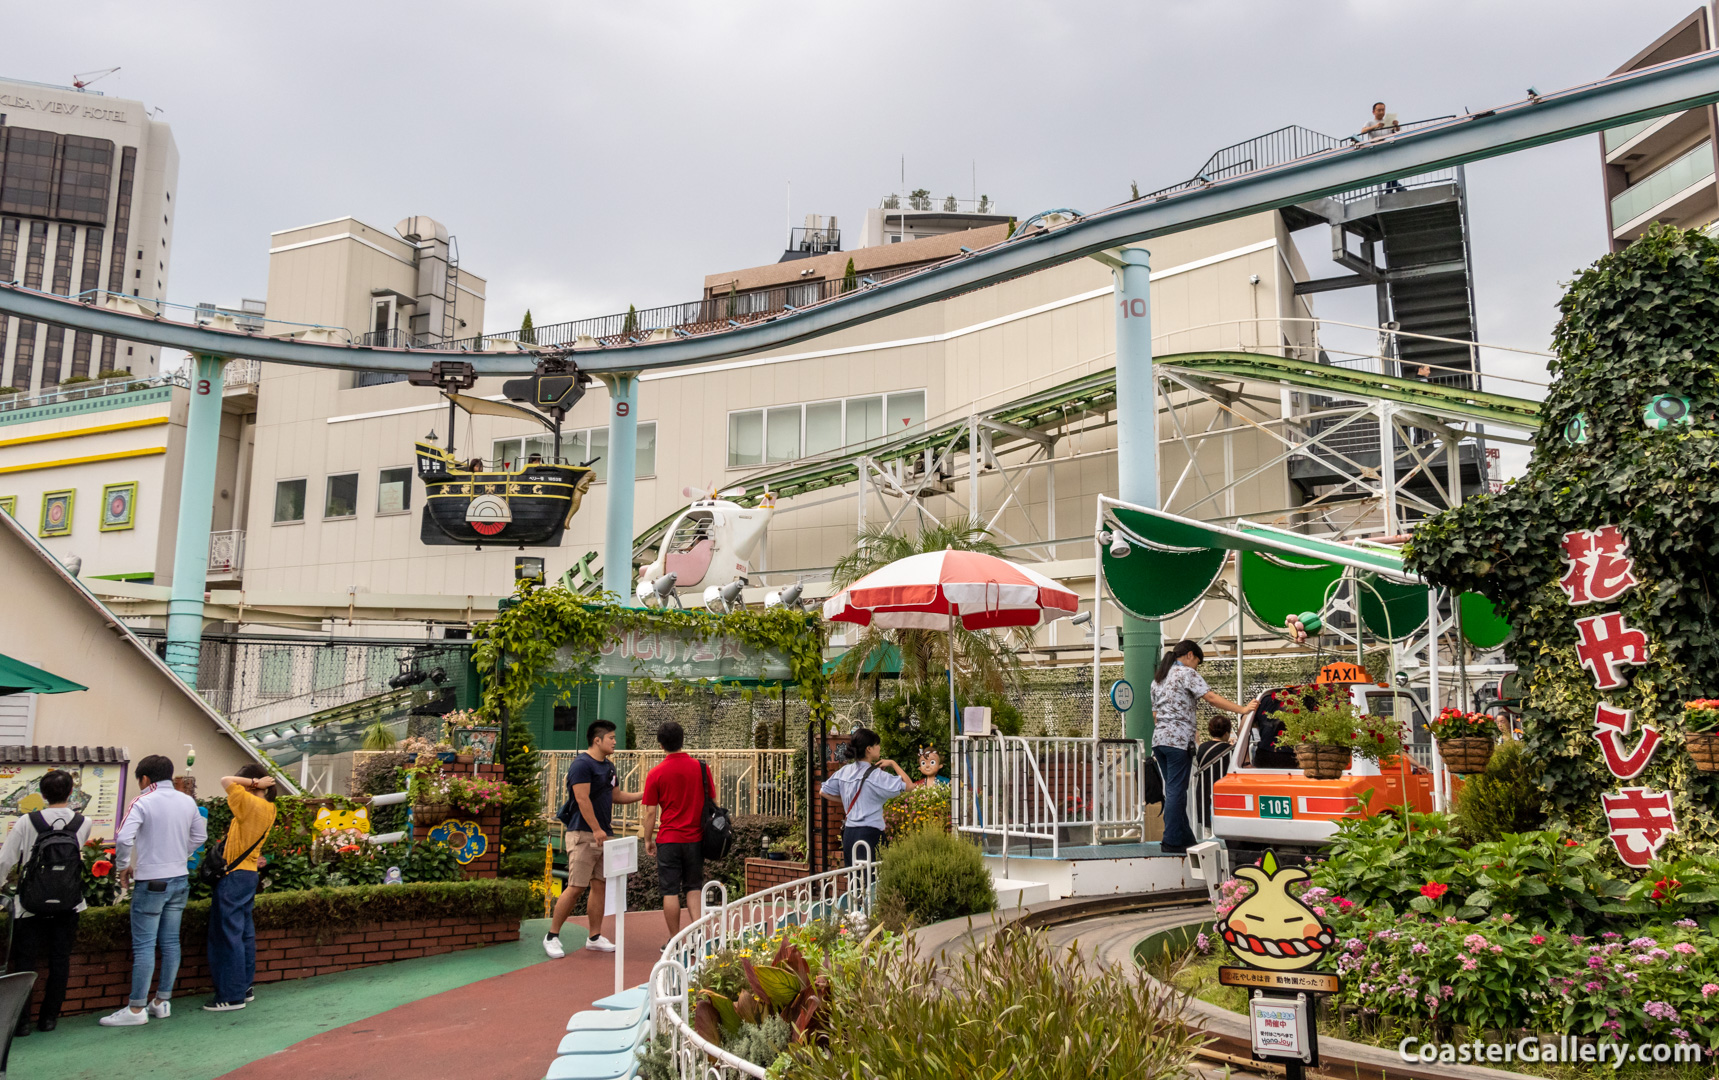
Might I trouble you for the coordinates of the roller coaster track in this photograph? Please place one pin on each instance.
(1095, 393)
(1535, 121)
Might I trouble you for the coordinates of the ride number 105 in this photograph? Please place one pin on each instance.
(1275, 806)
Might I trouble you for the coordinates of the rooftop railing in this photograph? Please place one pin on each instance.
(95, 388)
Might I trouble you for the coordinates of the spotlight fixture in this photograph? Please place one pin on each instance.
(1119, 548)
(724, 598)
(1081, 619)
(789, 597)
(407, 678)
(661, 590)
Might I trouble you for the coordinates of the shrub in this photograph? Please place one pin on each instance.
(922, 807)
(1017, 1006)
(937, 876)
(1504, 799)
(335, 911)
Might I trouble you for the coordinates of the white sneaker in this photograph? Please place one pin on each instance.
(552, 946)
(125, 1018)
(600, 944)
(161, 1010)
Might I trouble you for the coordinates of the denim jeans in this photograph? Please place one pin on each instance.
(856, 834)
(54, 935)
(156, 908)
(233, 936)
(1174, 763)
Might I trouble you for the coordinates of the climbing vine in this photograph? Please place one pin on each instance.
(518, 651)
(1630, 437)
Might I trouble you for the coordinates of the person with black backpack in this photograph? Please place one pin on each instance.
(681, 795)
(49, 844)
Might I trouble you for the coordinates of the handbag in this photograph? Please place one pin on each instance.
(214, 866)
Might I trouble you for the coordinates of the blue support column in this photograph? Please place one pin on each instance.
(618, 528)
(1137, 460)
(196, 509)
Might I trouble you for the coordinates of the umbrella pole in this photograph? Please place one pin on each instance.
(953, 727)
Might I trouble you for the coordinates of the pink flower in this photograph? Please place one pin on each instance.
(1419, 948)
(1683, 947)
(1474, 941)
(1538, 939)
(1708, 990)
(1342, 904)
(1319, 911)
(1498, 948)
(1592, 987)
(1660, 1010)
(1446, 991)
(1468, 964)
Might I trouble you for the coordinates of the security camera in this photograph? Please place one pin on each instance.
(1081, 619)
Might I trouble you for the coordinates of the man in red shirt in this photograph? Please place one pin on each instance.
(675, 792)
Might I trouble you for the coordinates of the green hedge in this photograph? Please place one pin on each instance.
(334, 911)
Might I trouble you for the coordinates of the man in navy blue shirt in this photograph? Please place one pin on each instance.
(592, 791)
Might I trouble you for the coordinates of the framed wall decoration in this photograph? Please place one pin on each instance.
(57, 513)
(9, 503)
(118, 504)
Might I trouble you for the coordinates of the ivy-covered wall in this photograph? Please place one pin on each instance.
(1631, 438)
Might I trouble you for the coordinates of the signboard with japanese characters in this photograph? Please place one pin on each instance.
(1599, 570)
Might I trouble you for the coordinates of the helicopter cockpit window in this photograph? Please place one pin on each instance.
(691, 529)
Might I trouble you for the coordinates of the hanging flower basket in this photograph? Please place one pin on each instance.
(1703, 745)
(1704, 751)
(426, 813)
(1466, 755)
(1321, 762)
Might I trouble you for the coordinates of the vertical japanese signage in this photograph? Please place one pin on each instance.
(1599, 570)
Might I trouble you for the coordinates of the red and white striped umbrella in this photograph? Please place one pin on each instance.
(930, 591)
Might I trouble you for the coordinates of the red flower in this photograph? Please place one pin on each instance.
(1572, 843)
(1538, 939)
(101, 868)
(1432, 890)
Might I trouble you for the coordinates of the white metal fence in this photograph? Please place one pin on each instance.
(842, 893)
(1061, 790)
(747, 781)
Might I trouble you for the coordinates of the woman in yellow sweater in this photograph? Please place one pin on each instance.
(232, 930)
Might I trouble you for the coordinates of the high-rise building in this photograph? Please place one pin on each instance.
(1662, 169)
(86, 206)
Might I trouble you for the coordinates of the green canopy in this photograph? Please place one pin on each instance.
(17, 677)
(884, 661)
(1173, 560)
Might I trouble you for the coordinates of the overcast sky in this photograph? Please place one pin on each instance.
(588, 156)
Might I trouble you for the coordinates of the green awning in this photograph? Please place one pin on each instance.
(1174, 560)
(17, 677)
(884, 661)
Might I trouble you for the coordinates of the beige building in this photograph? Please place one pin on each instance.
(86, 206)
(1663, 169)
(337, 506)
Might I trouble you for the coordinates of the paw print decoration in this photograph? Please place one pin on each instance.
(467, 840)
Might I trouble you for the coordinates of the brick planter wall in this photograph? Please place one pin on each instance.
(101, 981)
(488, 864)
(768, 873)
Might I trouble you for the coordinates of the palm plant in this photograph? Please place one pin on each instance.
(985, 663)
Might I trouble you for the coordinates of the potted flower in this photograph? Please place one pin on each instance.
(1465, 740)
(1327, 732)
(1701, 716)
(458, 730)
(476, 794)
(430, 792)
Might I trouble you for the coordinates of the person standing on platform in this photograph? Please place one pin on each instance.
(675, 792)
(860, 788)
(52, 932)
(155, 841)
(593, 787)
(232, 929)
(1176, 690)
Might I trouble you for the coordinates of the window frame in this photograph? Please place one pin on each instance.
(328, 493)
(848, 437)
(406, 502)
(582, 437)
(304, 499)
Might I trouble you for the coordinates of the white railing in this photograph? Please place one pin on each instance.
(239, 374)
(1200, 783)
(226, 551)
(842, 893)
(1059, 790)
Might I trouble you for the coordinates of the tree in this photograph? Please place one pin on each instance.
(920, 199)
(984, 662)
(950, 205)
(522, 824)
(527, 335)
(631, 324)
(1134, 190)
(984, 204)
(850, 278)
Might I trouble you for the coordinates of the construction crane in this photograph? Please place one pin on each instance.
(82, 79)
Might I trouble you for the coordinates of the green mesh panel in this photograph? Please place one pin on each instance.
(1151, 583)
(1276, 588)
(1402, 611)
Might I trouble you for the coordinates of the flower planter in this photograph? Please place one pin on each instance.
(464, 757)
(1704, 751)
(425, 813)
(1467, 755)
(1323, 762)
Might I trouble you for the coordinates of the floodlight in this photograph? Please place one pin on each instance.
(1119, 548)
(1081, 619)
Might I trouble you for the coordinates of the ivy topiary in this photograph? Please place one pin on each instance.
(1638, 343)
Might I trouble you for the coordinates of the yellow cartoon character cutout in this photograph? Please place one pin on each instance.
(1271, 929)
(356, 818)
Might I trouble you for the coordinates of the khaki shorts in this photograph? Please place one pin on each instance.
(584, 859)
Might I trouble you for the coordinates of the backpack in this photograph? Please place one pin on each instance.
(718, 823)
(54, 877)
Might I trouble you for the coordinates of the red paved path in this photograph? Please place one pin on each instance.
(505, 1028)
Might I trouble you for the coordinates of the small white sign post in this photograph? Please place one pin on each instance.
(620, 859)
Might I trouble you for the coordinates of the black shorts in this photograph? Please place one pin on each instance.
(680, 868)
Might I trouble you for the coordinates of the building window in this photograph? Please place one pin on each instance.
(341, 497)
(567, 718)
(578, 446)
(289, 501)
(787, 432)
(394, 491)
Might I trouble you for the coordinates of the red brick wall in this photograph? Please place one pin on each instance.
(768, 873)
(101, 981)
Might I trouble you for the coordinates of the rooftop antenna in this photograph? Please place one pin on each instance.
(83, 79)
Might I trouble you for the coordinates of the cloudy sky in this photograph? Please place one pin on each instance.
(589, 156)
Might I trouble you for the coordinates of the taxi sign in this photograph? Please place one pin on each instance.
(1343, 673)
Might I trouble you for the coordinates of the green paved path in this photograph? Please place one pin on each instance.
(196, 1045)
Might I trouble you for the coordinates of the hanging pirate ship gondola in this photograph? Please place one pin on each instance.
(529, 503)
